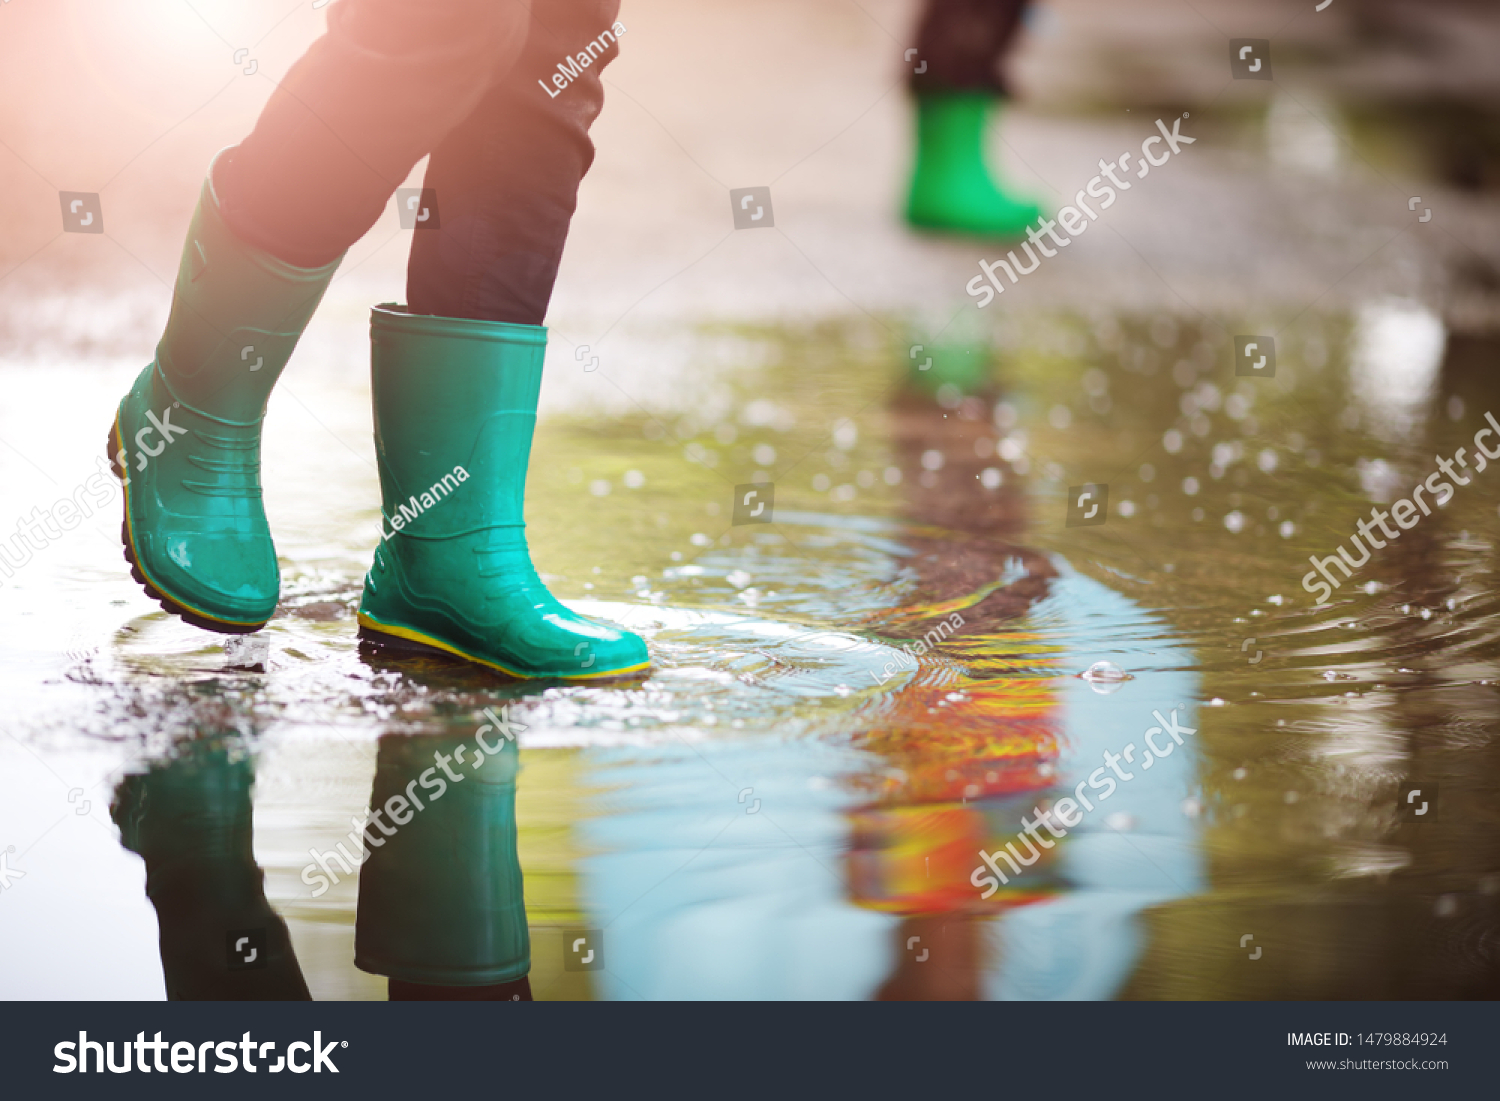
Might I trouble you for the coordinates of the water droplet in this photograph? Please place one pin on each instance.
(1105, 677)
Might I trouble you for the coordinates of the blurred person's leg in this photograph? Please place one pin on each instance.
(376, 93)
(963, 43)
(947, 969)
(457, 373)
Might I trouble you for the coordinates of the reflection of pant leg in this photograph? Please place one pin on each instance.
(507, 177)
(963, 42)
(368, 100)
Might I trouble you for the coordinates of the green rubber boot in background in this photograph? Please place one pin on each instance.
(455, 409)
(441, 901)
(952, 188)
(186, 438)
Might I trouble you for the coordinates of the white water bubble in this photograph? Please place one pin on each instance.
(1105, 677)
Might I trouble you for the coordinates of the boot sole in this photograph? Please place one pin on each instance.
(955, 229)
(406, 640)
(197, 617)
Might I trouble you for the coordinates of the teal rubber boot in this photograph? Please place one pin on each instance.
(441, 900)
(952, 188)
(455, 409)
(186, 438)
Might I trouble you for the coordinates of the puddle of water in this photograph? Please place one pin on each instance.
(859, 717)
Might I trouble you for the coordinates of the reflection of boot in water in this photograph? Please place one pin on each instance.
(976, 562)
(441, 908)
(190, 820)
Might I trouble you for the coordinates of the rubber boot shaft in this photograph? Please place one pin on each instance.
(455, 412)
(237, 314)
(186, 438)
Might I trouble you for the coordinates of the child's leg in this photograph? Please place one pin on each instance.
(964, 42)
(380, 90)
(457, 374)
(387, 83)
(960, 47)
(507, 177)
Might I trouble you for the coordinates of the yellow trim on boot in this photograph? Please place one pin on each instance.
(367, 620)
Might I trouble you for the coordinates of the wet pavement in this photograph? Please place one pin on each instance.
(851, 703)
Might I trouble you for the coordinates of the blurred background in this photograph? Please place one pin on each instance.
(732, 357)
